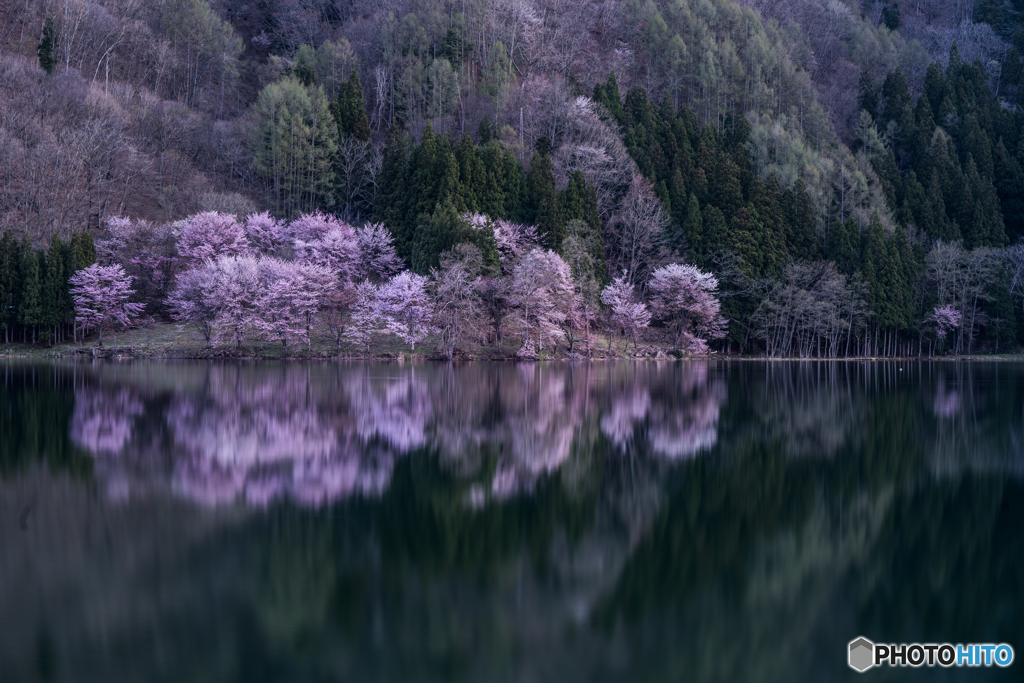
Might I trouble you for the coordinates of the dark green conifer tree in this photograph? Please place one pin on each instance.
(611, 98)
(390, 205)
(716, 234)
(349, 109)
(472, 175)
(693, 231)
(1009, 180)
(844, 246)
(726, 190)
(443, 230)
(542, 207)
(30, 309)
(9, 284)
(47, 47)
(54, 283)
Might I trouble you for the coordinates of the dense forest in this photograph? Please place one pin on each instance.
(849, 173)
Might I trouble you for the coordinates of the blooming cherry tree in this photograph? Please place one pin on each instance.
(208, 235)
(193, 301)
(946, 319)
(627, 313)
(101, 296)
(265, 233)
(366, 315)
(406, 308)
(542, 289)
(686, 297)
(337, 251)
(377, 256)
(313, 226)
(291, 295)
(237, 291)
(513, 240)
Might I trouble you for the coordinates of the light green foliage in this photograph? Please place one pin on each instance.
(207, 45)
(293, 142)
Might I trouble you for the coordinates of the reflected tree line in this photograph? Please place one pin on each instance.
(654, 521)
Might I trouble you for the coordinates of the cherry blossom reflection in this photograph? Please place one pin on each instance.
(261, 436)
(102, 421)
(315, 434)
(679, 405)
(947, 402)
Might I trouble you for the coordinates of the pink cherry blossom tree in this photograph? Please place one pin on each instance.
(208, 235)
(291, 295)
(377, 256)
(265, 233)
(313, 226)
(337, 251)
(366, 318)
(237, 291)
(543, 291)
(514, 240)
(193, 300)
(626, 313)
(687, 298)
(406, 308)
(946, 319)
(457, 301)
(101, 296)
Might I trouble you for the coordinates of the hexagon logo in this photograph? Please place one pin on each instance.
(861, 654)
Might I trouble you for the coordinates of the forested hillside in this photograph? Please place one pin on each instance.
(849, 171)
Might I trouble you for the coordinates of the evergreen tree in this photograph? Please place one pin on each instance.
(844, 246)
(84, 251)
(30, 310)
(349, 109)
(1009, 180)
(693, 231)
(716, 233)
(726, 190)
(391, 202)
(609, 96)
(472, 174)
(54, 285)
(443, 230)
(47, 46)
(542, 207)
(935, 87)
(10, 285)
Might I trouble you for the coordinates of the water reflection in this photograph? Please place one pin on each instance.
(319, 433)
(542, 522)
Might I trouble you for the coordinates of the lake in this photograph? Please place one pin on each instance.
(661, 521)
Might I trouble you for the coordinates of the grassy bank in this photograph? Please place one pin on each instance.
(170, 341)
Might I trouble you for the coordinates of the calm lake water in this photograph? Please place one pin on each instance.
(699, 521)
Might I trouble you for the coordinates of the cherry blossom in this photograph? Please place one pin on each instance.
(686, 297)
(377, 257)
(337, 250)
(208, 235)
(543, 291)
(406, 308)
(946, 319)
(291, 295)
(101, 296)
(627, 313)
(265, 233)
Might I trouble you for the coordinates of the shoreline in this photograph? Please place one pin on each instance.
(127, 352)
(168, 341)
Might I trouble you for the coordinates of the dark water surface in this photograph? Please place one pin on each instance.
(705, 521)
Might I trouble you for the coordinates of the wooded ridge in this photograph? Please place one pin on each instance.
(544, 169)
